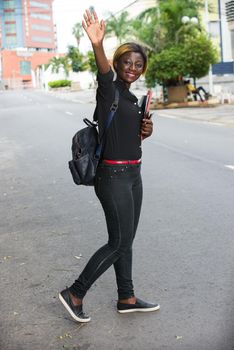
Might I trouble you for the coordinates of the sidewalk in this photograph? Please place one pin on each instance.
(216, 115)
(208, 112)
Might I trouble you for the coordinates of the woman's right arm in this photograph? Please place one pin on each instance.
(96, 31)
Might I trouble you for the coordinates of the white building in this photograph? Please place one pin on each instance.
(221, 27)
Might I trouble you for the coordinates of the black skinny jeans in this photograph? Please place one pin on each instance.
(119, 189)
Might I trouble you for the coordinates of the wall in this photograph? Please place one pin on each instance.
(12, 65)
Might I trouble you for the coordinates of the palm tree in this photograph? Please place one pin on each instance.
(55, 63)
(147, 29)
(118, 26)
(77, 31)
(61, 62)
(66, 65)
(172, 11)
(157, 27)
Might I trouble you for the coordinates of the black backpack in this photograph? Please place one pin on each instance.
(87, 148)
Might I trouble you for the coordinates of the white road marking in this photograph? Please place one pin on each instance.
(229, 166)
(213, 123)
(69, 113)
(190, 155)
(193, 119)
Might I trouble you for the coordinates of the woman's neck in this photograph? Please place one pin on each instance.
(125, 83)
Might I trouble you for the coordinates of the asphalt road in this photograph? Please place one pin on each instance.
(183, 252)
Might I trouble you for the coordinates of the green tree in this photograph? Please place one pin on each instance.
(91, 62)
(148, 31)
(61, 62)
(175, 49)
(55, 63)
(171, 13)
(200, 54)
(77, 59)
(165, 67)
(66, 65)
(77, 31)
(191, 58)
(91, 65)
(118, 26)
(157, 27)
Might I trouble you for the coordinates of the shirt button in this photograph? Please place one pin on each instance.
(135, 103)
(139, 112)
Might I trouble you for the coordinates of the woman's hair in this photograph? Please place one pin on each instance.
(130, 47)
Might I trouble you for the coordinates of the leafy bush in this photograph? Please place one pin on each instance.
(59, 83)
(166, 66)
(190, 58)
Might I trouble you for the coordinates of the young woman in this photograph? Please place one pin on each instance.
(118, 183)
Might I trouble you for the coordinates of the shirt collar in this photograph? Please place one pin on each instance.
(124, 90)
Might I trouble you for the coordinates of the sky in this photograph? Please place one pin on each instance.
(68, 12)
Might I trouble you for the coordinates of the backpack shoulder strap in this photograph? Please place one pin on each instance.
(112, 111)
(109, 119)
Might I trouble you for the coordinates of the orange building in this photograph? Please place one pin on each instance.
(27, 39)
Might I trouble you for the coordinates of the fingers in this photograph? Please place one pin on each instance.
(89, 18)
(102, 25)
(148, 115)
(95, 16)
(146, 127)
(93, 28)
(147, 121)
(146, 131)
(88, 15)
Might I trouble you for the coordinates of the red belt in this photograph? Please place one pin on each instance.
(108, 161)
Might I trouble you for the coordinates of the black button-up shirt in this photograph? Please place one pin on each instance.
(123, 140)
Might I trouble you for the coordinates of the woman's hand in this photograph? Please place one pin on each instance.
(94, 29)
(146, 126)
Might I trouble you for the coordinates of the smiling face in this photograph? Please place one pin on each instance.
(129, 67)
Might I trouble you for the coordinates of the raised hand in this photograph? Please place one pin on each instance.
(94, 29)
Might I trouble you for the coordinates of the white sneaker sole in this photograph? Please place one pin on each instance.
(155, 308)
(82, 320)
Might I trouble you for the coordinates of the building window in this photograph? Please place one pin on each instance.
(41, 39)
(214, 29)
(232, 43)
(40, 16)
(9, 4)
(10, 28)
(39, 4)
(230, 10)
(9, 16)
(25, 68)
(11, 41)
(42, 28)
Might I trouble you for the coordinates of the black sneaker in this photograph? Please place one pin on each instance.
(75, 311)
(139, 306)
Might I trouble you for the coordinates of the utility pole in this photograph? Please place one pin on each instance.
(208, 31)
(1, 79)
(220, 29)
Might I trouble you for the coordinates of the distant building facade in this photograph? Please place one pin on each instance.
(221, 29)
(27, 39)
(229, 10)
